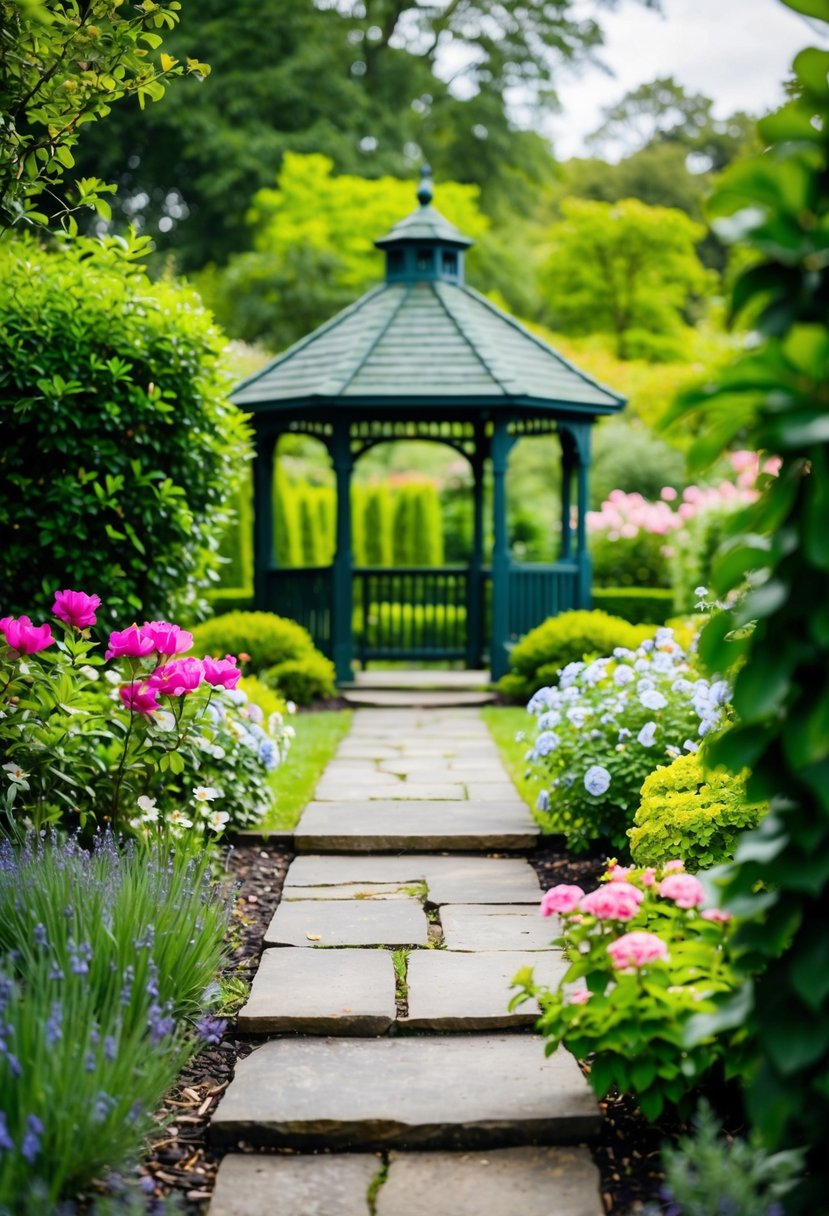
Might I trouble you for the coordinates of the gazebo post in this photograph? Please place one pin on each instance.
(567, 465)
(502, 441)
(475, 599)
(581, 433)
(342, 570)
(263, 548)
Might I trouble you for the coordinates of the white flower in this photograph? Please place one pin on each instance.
(90, 672)
(217, 820)
(205, 793)
(113, 677)
(16, 775)
(289, 732)
(651, 699)
(148, 809)
(164, 720)
(290, 706)
(623, 674)
(179, 820)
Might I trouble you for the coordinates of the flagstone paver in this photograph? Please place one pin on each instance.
(294, 1186)
(388, 826)
(321, 992)
(458, 1091)
(338, 791)
(483, 927)
(348, 922)
(449, 879)
(452, 991)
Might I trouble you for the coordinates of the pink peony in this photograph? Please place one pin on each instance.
(76, 608)
(560, 899)
(24, 637)
(718, 915)
(139, 698)
(177, 678)
(615, 901)
(166, 638)
(222, 672)
(637, 950)
(685, 890)
(129, 643)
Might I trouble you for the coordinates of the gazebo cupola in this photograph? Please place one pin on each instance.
(424, 246)
(424, 356)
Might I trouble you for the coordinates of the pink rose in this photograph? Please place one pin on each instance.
(177, 678)
(718, 915)
(685, 890)
(222, 672)
(615, 901)
(139, 698)
(560, 899)
(129, 643)
(24, 637)
(167, 638)
(76, 608)
(636, 950)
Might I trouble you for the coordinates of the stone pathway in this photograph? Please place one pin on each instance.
(383, 992)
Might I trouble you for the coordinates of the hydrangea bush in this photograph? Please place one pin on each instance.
(142, 738)
(607, 725)
(646, 957)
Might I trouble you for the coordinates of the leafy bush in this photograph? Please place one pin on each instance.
(644, 960)
(637, 560)
(304, 680)
(564, 639)
(106, 960)
(608, 725)
(636, 605)
(630, 457)
(120, 449)
(265, 638)
(691, 813)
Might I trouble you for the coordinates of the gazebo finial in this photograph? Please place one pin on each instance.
(426, 189)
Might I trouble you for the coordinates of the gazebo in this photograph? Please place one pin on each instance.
(423, 356)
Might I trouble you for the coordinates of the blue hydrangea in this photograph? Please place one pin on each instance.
(597, 780)
(269, 754)
(623, 675)
(542, 802)
(546, 742)
(647, 735)
(652, 699)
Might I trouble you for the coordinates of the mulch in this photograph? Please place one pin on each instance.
(182, 1163)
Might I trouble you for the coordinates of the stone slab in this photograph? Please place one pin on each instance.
(529, 1181)
(400, 791)
(502, 791)
(453, 991)
(323, 869)
(348, 922)
(442, 1091)
(483, 880)
(390, 699)
(389, 826)
(251, 1185)
(352, 890)
(362, 772)
(321, 992)
(484, 927)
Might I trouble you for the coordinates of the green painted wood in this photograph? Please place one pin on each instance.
(342, 639)
(304, 595)
(502, 441)
(475, 593)
(263, 547)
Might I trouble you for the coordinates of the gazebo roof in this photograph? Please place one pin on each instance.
(424, 339)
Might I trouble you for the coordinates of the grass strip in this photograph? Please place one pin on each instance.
(506, 723)
(318, 736)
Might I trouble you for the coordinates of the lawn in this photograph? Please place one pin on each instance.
(505, 723)
(317, 737)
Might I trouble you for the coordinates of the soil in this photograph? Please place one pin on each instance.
(183, 1164)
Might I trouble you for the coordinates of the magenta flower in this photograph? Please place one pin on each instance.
(129, 643)
(76, 608)
(166, 638)
(685, 890)
(562, 898)
(614, 901)
(24, 637)
(177, 678)
(637, 949)
(222, 672)
(139, 698)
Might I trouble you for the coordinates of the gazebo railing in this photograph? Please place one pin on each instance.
(537, 591)
(411, 612)
(305, 595)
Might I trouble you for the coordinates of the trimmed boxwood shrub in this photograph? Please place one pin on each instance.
(304, 680)
(536, 660)
(279, 651)
(637, 605)
(119, 447)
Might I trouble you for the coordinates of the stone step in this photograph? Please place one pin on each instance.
(390, 827)
(348, 922)
(529, 1181)
(441, 1092)
(479, 927)
(449, 879)
(448, 991)
(420, 698)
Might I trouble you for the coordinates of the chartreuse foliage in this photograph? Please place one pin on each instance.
(120, 449)
(777, 396)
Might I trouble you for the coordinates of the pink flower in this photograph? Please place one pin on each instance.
(685, 890)
(222, 672)
(670, 866)
(177, 678)
(129, 643)
(668, 493)
(76, 608)
(167, 638)
(139, 698)
(615, 901)
(560, 899)
(617, 873)
(577, 996)
(648, 877)
(636, 950)
(24, 637)
(718, 915)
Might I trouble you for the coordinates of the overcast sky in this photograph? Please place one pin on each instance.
(736, 51)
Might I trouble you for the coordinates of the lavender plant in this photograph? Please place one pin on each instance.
(610, 723)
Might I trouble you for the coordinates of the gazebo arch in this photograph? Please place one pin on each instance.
(423, 356)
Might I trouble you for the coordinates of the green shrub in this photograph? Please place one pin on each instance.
(230, 599)
(120, 449)
(564, 639)
(637, 561)
(636, 605)
(691, 813)
(378, 526)
(259, 693)
(304, 680)
(286, 538)
(268, 639)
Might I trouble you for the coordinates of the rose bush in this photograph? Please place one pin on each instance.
(142, 738)
(610, 723)
(646, 956)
